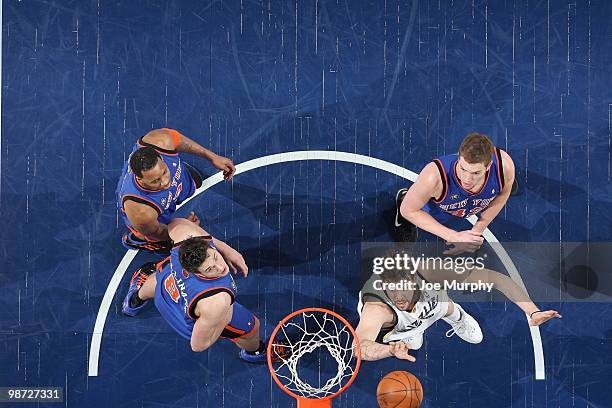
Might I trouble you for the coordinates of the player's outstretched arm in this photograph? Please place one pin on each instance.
(181, 229)
(515, 293)
(214, 313)
(373, 316)
(425, 187)
(171, 139)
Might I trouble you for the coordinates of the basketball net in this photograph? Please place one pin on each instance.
(303, 332)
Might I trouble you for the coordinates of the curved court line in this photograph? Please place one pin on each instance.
(96, 339)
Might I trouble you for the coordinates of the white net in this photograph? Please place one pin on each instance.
(324, 340)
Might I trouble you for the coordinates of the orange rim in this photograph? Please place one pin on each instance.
(313, 403)
(304, 402)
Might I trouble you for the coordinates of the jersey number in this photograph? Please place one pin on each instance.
(178, 191)
(170, 286)
(458, 213)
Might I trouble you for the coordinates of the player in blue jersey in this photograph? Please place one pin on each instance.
(196, 294)
(476, 181)
(154, 181)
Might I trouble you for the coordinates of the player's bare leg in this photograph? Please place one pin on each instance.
(147, 290)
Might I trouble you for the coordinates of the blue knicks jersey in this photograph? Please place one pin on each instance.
(454, 199)
(163, 201)
(177, 292)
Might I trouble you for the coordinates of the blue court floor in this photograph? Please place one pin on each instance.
(402, 81)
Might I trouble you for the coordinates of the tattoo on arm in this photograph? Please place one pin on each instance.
(187, 145)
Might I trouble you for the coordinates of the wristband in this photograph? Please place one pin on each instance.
(531, 315)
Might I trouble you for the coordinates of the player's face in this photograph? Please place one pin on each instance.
(214, 265)
(156, 178)
(471, 175)
(400, 298)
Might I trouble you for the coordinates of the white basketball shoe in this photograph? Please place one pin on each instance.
(414, 342)
(467, 327)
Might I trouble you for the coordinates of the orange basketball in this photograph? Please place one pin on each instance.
(399, 389)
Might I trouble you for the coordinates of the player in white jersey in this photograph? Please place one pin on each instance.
(395, 312)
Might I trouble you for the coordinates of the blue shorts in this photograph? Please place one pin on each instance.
(242, 323)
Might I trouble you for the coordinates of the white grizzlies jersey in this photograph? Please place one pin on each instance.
(431, 306)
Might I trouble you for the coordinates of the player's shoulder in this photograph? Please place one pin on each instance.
(504, 154)
(374, 303)
(376, 310)
(507, 161)
(430, 175)
(160, 138)
(213, 307)
(430, 169)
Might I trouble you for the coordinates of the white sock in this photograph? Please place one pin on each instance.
(455, 316)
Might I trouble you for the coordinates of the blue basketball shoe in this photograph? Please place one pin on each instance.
(281, 352)
(138, 279)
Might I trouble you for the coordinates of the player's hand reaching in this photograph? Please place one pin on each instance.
(464, 241)
(236, 262)
(461, 247)
(400, 350)
(225, 165)
(193, 218)
(542, 316)
(469, 236)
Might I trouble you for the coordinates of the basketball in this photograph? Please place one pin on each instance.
(399, 389)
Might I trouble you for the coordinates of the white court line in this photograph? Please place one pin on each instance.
(96, 338)
(538, 350)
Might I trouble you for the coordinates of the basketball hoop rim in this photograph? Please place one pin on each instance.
(326, 400)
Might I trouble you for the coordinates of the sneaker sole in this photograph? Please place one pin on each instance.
(397, 205)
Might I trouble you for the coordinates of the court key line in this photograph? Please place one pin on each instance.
(96, 339)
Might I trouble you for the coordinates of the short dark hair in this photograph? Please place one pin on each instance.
(143, 159)
(397, 275)
(193, 252)
(476, 148)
